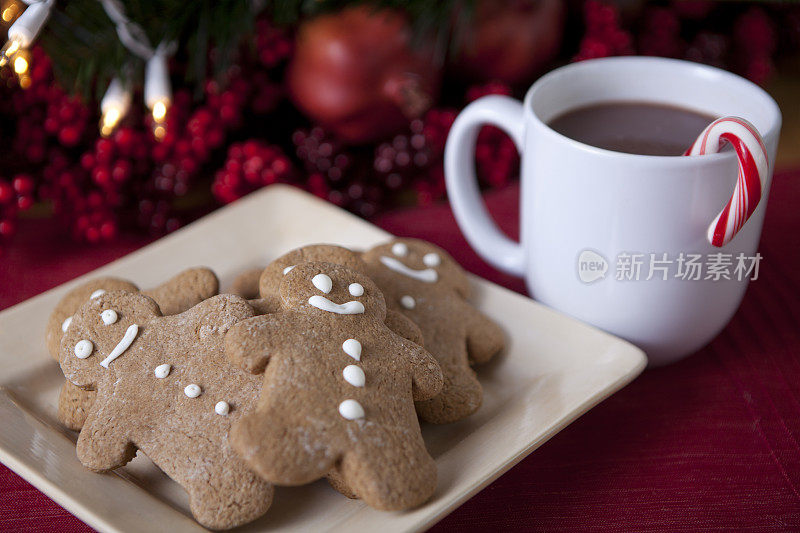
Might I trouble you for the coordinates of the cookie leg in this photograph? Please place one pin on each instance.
(227, 494)
(281, 451)
(398, 476)
(461, 396)
(103, 443)
(336, 480)
(74, 404)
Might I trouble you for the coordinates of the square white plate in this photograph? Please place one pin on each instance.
(553, 370)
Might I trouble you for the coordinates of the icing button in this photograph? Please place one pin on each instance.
(408, 302)
(354, 375)
(351, 410)
(222, 408)
(162, 371)
(192, 391)
(352, 348)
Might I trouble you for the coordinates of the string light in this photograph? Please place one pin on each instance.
(114, 106)
(20, 63)
(157, 91)
(157, 88)
(25, 29)
(10, 11)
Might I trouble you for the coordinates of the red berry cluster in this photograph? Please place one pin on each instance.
(604, 36)
(335, 173)
(273, 45)
(15, 196)
(754, 35)
(495, 152)
(251, 165)
(660, 34)
(46, 114)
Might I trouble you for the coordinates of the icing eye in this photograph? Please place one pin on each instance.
(356, 289)
(109, 316)
(97, 294)
(66, 323)
(322, 282)
(408, 302)
(432, 260)
(84, 349)
(399, 249)
(288, 269)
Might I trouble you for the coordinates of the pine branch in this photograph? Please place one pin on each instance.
(87, 54)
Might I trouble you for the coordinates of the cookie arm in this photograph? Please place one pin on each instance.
(249, 344)
(403, 326)
(184, 290)
(103, 443)
(485, 338)
(426, 377)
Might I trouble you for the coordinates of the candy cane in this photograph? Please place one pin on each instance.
(753, 173)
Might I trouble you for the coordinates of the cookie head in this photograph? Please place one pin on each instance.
(61, 317)
(100, 334)
(329, 289)
(273, 275)
(418, 261)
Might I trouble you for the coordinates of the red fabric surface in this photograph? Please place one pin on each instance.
(708, 443)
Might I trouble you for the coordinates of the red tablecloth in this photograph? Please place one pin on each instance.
(708, 443)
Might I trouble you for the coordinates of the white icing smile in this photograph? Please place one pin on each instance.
(427, 275)
(348, 308)
(122, 345)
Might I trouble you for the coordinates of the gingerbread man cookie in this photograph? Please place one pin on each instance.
(453, 331)
(165, 387)
(338, 390)
(424, 283)
(178, 294)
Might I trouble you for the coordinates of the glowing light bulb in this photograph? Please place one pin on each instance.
(20, 64)
(10, 11)
(160, 111)
(159, 132)
(109, 121)
(11, 47)
(114, 106)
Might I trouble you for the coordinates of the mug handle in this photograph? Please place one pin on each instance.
(462, 185)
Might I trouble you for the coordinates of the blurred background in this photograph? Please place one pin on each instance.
(127, 120)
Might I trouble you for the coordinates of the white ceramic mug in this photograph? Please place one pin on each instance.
(586, 209)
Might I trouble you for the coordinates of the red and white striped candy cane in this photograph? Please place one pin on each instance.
(753, 173)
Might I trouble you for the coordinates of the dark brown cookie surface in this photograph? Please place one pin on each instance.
(165, 387)
(338, 390)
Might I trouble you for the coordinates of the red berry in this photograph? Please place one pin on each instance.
(6, 192)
